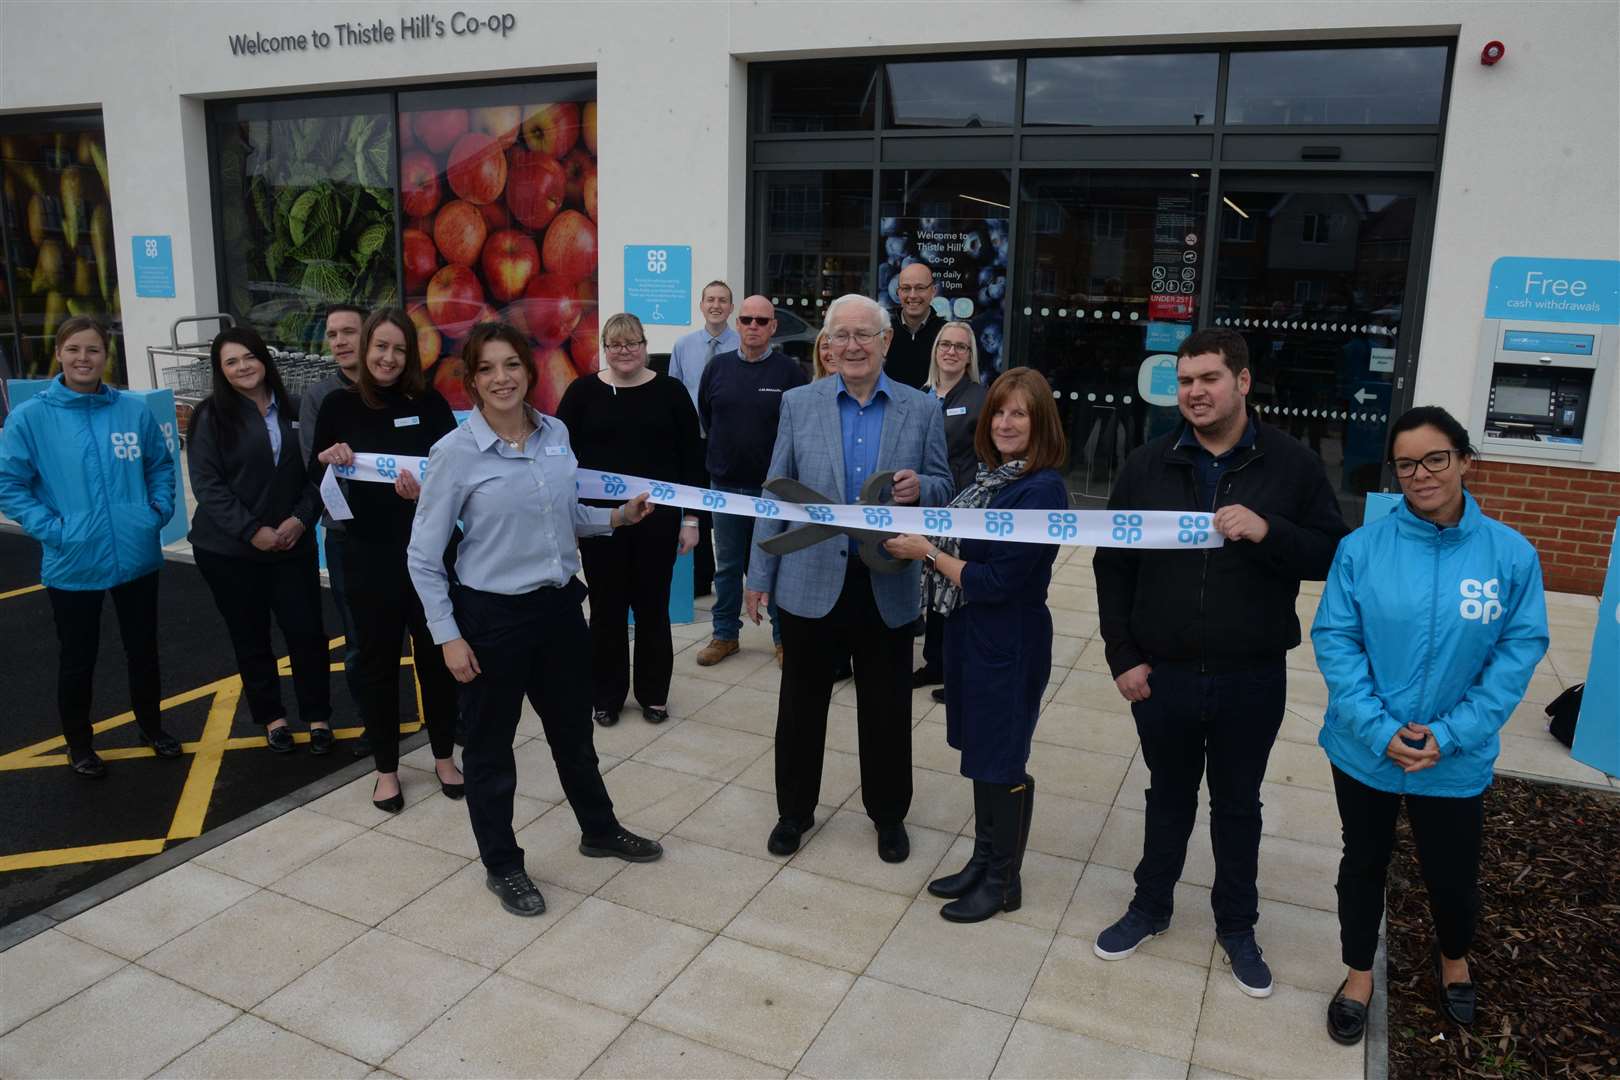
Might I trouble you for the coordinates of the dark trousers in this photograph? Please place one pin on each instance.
(1229, 720)
(703, 558)
(1448, 834)
(933, 640)
(247, 593)
(384, 606)
(533, 646)
(78, 637)
(338, 582)
(630, 571)
(811, 649)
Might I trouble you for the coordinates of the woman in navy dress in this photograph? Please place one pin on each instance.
(998, 636)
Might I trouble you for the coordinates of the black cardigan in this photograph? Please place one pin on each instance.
(239, 488)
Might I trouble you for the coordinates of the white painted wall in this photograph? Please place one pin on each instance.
(1531, 163)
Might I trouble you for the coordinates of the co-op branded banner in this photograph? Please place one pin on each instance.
(1099, 528)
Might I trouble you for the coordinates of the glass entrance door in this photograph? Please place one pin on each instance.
(1318, 276)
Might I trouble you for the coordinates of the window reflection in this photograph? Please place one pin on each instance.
(816, 244)
(1122, 91)
(1401, 85)
(951, 93)
(826, 95)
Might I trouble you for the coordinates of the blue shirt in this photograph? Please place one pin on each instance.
(272, 425)
(692, 354)
(862, 429)
(1209, 467)
(518, 511)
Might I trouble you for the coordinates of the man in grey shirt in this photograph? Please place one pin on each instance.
(691, 354)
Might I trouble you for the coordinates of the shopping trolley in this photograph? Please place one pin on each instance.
(186, 368)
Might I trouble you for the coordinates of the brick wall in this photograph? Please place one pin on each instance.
(1568, 514)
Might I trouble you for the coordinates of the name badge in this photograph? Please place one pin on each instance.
(407, 421)
(960, 410)
(556, 451)
(294, 424)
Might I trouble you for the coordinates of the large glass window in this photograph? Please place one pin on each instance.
(57, 259)
(498, 186)
(816, 245)
(1122, 91)
(1109, 272)
(956, 220)
(951, 93)
(829, 95)
(1399, 85)
(306, 200)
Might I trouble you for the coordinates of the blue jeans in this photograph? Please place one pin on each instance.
(733, 540)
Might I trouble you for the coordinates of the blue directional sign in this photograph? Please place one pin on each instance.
(153, 259)
(658, 283)
(1554, 290)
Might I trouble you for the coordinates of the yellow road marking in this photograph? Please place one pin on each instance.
(123, 849)
(199, 790)
(22, 592)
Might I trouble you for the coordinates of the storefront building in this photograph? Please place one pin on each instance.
(1090, 181)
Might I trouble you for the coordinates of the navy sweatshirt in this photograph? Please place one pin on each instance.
(739, 402)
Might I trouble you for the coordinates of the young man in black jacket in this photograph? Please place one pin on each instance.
(1196, 639)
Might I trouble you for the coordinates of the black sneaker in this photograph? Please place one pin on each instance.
(1121, 939)
(279, 739)
(518, 893)
(1248, 964)
(621, 845)
(90, 766)
(162, 743)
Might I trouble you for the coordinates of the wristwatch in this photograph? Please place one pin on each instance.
(932, 559)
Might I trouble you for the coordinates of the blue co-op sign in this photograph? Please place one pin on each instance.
(1554, 290)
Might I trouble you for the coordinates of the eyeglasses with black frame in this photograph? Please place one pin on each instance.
(624, 346)
(1434, 463)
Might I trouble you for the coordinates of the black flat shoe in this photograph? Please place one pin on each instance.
(621, 845)
(893, 843)
(279, 739)
(517, 892)
(1457, 1000)
(90, 766)
(391, 805)
(162, 743)
(785, 838)
(938, 694)
(655, 714)
(360, 747)
(926, 676)
(320, 740)
(1346, 1018)
(604, 718)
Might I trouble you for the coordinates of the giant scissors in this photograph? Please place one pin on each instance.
(799, 537)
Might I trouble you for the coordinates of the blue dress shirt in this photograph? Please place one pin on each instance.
(518, 511)
(272, 424)
(862, 429)
(691, 354)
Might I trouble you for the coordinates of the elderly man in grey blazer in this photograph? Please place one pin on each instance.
(833, 434)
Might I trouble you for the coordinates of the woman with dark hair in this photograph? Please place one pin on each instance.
(510, 624)
(391, 410)
(85, 470)
(1429, 628)
(629, 419)
(998, 636)
(253, 535)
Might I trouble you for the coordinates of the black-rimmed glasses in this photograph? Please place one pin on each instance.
(1437, 462)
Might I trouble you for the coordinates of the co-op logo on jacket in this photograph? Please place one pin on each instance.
(1480, 600)
(126, 445)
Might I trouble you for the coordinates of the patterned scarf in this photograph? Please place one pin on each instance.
(938, 592)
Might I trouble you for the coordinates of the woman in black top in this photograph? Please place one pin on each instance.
(953, 379)
(630, 419)
(253, 535)
(390, 410)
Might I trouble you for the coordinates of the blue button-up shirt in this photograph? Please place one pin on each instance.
(272, 425)
(1208, 466)
(862, 429)
(692, 353)
(518, 510)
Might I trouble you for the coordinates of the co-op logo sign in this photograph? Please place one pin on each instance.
(1481, 600)
(461, 24)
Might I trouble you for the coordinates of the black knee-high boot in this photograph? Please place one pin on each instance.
(966, 879)
(1011, 809)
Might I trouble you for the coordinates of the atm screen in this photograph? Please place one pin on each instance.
(1524, 400)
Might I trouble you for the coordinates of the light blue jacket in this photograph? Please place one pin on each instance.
(810, 449)
(91, 478)
(1418, 624)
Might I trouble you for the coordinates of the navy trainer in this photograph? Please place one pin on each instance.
(1120, 940)
(1248, 964)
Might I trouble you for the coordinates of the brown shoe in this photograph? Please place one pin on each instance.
(779, 656)
(715, 651)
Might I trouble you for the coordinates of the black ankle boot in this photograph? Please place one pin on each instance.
(1001, 888)
(967, 879)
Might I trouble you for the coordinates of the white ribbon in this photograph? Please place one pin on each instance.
(1097, 528)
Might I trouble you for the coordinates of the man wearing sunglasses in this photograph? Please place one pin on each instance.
(739, 399)
(912, 347)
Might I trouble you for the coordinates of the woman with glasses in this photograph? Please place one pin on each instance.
(953, 378)
(1429, 628)
(629, 419)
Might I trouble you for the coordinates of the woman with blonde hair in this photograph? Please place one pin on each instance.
(822, 362)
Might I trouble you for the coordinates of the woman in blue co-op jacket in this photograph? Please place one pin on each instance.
(998, 635)
(1429, 628)
(86, 471)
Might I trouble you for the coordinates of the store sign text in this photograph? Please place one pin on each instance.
(377, 32)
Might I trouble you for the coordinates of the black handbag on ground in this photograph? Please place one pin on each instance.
(1563, 712)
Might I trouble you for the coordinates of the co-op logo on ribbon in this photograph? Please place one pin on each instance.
(1193, 529)
(1063, 526)
(614, 485)
(1480, 600)
(1127, 528)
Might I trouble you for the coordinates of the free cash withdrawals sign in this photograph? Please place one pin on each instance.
(658, 283)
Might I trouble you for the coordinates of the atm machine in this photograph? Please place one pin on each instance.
(1542, 389)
